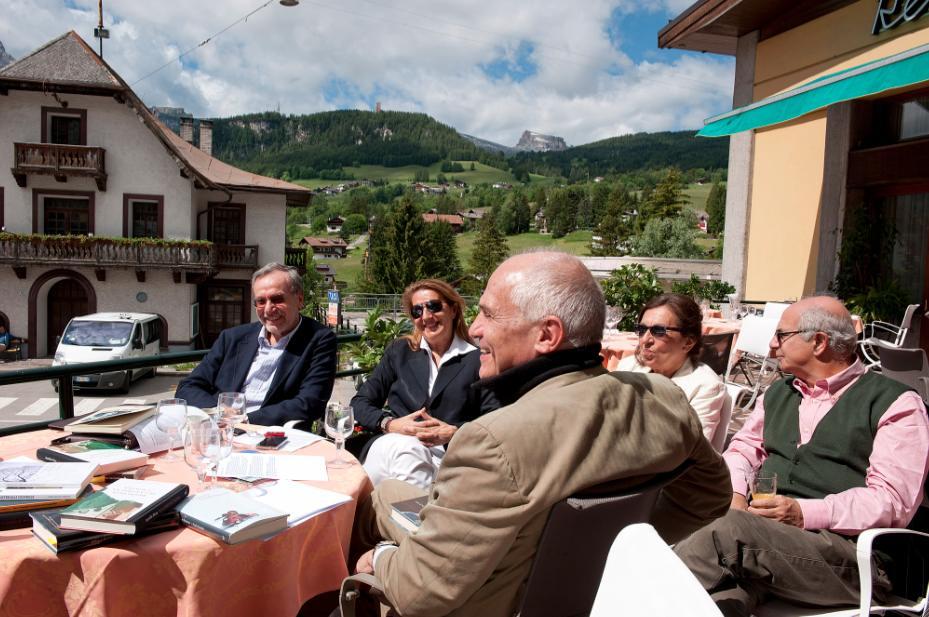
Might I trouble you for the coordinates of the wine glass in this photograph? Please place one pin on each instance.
(339, 422)
(200, 435)
(614, 315)
(219, 446)
(230, 410)
(170, 417)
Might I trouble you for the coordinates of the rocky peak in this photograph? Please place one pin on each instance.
(537, 142)
(5, 58)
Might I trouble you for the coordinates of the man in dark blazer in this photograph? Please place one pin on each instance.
(285, 363)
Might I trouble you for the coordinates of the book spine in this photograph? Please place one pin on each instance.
(168, 502)
(47, 454)
(205, 529)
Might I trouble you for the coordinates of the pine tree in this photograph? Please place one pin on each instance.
(521, 214)
(667, 198)
(490, 248)
(615, 227)
(441, 253)
(716, 209)
(396, 251)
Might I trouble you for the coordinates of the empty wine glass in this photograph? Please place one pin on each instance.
(170, 417)
(200, 436)
(614, 315)
(219, 446)
(339, 423)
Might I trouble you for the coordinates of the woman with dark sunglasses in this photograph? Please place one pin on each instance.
(421, 392)
(670, 331)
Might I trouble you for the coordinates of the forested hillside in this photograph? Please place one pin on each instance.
(304, 145)
(618, 155)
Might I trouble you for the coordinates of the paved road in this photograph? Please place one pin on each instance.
(37, 401)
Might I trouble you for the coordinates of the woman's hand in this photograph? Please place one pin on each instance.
(413, 423)
(438, 435)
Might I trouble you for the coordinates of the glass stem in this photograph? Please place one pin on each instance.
(338, 449)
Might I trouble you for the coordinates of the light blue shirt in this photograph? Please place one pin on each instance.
(264, 366)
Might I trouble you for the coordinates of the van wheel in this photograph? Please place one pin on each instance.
(150, 373)
(127, 382)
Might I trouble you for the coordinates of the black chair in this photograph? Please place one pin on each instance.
(572, 550)
(715, 351)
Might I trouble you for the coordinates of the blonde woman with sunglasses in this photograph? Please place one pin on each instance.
(421, 392)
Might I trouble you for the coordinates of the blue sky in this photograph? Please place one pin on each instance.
(582, 71)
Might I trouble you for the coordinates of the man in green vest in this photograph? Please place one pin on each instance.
(850, 450)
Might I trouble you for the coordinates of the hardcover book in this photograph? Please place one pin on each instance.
(112, 420)
(231, 517)
(406, 513)
(109, 457)
(22, 477)
(45, 527)
(124, 507)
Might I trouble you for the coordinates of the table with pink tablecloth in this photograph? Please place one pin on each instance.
(618, 345)
(180, 572)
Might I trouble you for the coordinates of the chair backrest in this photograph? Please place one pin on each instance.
(643, 576)
(774, 310)
(715, 351)
(755, 335)
(908, 366)
(722, 429)
(574, 545)
(906, 325)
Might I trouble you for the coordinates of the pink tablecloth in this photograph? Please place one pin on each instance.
(179, 572)
(618, 345)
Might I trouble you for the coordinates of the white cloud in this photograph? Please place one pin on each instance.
(417, 55)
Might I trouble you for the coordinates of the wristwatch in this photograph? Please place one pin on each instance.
(385, 422)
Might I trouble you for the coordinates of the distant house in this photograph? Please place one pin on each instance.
(327, 271)
(503, 185)
(334, 225)
(421, 187)
(473, 215)
(326, 247)
(541, 223)
(702, 220)
(454, 220)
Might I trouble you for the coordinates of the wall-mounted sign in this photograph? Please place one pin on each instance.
(892, 13)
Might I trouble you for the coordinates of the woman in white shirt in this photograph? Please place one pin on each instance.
(670, 331)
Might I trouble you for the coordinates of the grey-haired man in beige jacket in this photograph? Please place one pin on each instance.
(566, 425)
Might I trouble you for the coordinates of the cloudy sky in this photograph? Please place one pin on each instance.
(492, 68)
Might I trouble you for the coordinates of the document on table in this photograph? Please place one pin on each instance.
(300, 501)
(239, 465)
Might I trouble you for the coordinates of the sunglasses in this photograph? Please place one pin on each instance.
(433, 306)
(657, 331)
(276, 299)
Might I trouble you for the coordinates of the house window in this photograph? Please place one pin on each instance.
(64, 126)
(143, 216)
(67, 216)
(227, 224)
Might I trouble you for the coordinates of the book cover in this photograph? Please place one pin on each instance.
(112, 420)
(231, 517)
(25, 505)
(25, 475)
(109, 457)
(123, 507)
(406, 513)
(46, 527)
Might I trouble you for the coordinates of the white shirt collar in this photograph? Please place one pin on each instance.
(457, 348)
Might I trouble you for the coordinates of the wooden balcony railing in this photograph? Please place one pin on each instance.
(60, 161)
(295, 258)
(105, 252)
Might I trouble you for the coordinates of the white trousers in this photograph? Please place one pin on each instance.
(405, 458)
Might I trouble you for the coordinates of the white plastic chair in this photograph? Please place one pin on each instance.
(753, 362)
(643, 576)
(908, 366)
(774, 310)
(725, 415)
(888, 333)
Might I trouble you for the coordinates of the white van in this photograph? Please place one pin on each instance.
(109, 336)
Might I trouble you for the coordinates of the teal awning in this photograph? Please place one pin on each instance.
(897, 71)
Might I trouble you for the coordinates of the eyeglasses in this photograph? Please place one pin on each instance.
(782, 336)
(433, 306)
(276, 299)
(657, 331)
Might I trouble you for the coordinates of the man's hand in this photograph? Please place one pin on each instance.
(779, 508)
(365, 563)
(413, 423)
(739, 502)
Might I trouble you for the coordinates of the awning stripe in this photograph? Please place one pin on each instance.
(903, 69)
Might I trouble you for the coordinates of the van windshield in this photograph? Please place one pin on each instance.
(97, 333)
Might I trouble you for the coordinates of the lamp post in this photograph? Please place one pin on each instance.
(100, 32)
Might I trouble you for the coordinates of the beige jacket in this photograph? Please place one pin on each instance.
(504, 471)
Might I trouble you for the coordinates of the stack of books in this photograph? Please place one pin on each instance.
(123, 509)
(27, 486)
(109, 457)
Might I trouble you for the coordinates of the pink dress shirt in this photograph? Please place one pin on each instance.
(899, 460)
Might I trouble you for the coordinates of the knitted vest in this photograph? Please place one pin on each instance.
(835, 459)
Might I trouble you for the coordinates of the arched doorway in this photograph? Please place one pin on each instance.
(66, 299)
(46, 306)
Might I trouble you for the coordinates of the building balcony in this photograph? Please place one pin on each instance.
(60, 161)
(193, 257)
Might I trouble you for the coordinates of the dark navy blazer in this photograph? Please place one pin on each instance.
(401, 381)
(302, 383)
